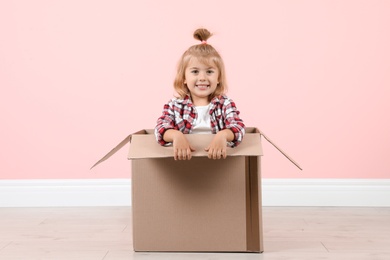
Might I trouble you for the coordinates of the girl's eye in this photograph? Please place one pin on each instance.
(210, 71)
(194, 71)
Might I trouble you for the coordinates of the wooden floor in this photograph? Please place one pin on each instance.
(104, 233)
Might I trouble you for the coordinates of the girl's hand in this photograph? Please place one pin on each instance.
(217, 147)
(181, 147)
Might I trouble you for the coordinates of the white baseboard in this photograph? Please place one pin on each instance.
(65, 193)
(326, 192)
(117, 192)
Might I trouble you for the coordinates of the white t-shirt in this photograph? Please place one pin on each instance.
(202, 124)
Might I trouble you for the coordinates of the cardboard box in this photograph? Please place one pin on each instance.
(200, 205)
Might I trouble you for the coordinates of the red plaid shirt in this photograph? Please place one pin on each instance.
(179, 114)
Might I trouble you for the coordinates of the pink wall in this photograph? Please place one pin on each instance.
(78, 76)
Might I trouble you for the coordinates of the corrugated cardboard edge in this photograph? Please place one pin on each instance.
(254, 228)
(248, 130)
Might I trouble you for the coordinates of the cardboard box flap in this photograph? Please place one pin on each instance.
(117, 148)
(145, 146)
(280, 150)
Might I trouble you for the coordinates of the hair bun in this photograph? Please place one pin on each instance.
(202, 34)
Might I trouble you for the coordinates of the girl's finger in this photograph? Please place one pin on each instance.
(189, 155)
(224, 155)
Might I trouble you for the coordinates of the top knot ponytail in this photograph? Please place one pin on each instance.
(202, 35)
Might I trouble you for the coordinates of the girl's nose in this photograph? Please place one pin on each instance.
(202, 76)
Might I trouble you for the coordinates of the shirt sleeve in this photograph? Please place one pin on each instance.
(164, 122)
(233, 122)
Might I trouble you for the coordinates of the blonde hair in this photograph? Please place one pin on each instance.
(206, 54)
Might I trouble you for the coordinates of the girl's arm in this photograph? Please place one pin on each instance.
(233, 122)
(166, 133)
(165, 122)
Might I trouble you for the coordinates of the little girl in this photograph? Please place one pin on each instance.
(201, 105)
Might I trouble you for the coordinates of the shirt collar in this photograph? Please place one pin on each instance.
(216, 100)
(187, 100)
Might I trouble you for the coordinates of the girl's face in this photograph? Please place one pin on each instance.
(201, 80)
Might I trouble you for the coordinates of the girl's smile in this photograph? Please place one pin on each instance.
(202, 86)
